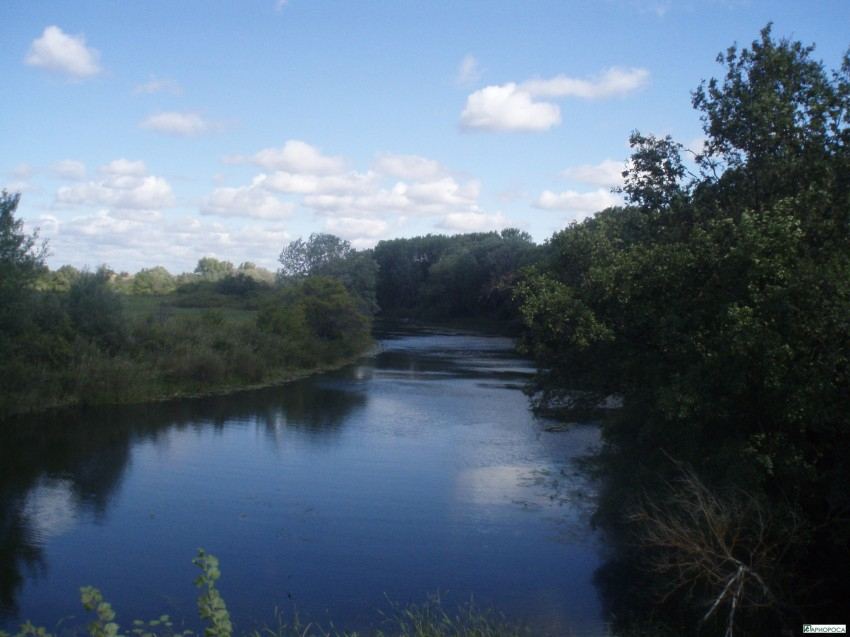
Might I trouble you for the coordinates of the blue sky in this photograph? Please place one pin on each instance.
(159, 132)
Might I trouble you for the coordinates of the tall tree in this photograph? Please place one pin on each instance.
(715, 306)
(212, 269)
(21, 261)
(326, 255)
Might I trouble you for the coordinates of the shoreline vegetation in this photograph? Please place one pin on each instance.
(139, 356)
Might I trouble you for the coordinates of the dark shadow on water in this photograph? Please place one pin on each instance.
(86, 451)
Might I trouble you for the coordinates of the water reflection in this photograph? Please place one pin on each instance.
(416, 470)
(66, 466)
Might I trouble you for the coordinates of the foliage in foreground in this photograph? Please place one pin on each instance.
(426, 620)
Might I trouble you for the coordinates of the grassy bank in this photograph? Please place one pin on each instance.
(142, 348)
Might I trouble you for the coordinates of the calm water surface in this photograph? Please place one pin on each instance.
(419, 470)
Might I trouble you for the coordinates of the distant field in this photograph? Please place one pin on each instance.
(140, 306)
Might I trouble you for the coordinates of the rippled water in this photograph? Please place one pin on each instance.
(417, 471)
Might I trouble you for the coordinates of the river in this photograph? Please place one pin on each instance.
(418, 470)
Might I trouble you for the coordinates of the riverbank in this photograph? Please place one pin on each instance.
(272, 379)
(163, 354)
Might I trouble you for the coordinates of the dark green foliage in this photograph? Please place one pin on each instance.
(212, 269)
(21, 261)
(319, 315)
(211, 606)
(96, 310)
(715, 307)
(155, 280)
(21, 315)
(57, 280)
(328, 256)
(440, 277)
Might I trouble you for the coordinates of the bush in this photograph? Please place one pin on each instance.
(96, 310)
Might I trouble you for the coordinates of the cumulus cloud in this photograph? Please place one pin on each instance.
(508, 108)
(607, 173)
(69, 169)
(250, 201)
(444, 193)
(348, 227)
(469, 72)
(58, 52)
(360, 206)
(347, 183)
(128, 243)
(124, 185)
(180, 124)
(613, 82)
(411, 167)
(437, 197)
(125, 167)
(580, 204)
(473, 222)
(294, 156)
(515, 107)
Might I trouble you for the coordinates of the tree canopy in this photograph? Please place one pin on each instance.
(715, 306)
(326, 255)
(448, 277)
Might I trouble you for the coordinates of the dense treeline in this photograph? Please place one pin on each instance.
(716, 307)
(440, 277)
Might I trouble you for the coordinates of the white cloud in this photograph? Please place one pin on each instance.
(514, 107)
(444, 193)
(101, 224)
(507, 108)
(134, 243)
(125, 167)
(346, 183)
(411, 167)
(62, 53)
(607, 173)
(613, 82)
(180, 124)
(354, 228)
(437, 197)
(473, 222)
(581, 204)
(156, 85)
(469, 72)
(250, 201)
(69, 169)
(295, 156)
(125, 185)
